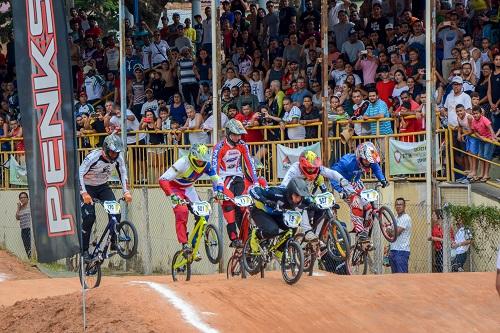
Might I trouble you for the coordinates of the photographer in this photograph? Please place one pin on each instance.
(367, 63)
(94, 124)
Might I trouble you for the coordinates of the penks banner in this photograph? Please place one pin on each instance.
(409, 157)
(44, 81)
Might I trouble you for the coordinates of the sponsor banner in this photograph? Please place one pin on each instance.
(287, 156)
(17, 173)
(46, 102)
(408, 157)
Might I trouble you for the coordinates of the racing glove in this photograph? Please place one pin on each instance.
(175, 199)
(385, 183)
(219, 195)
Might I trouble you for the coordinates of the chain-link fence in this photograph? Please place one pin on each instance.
(152, 214)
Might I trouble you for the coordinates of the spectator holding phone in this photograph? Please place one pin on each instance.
(23, 215)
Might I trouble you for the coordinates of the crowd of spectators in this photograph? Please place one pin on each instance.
(271, 72)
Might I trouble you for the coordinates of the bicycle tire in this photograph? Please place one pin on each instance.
(309, 260)
(235, 268)
(338, 243)
(358, 262)
(184, 268)
(288, 261)
(251, 262)
(90, 269)
(210, 229)
(127, 237)
(387, 214)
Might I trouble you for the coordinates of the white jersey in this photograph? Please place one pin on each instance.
(294, 172)
(95, 170)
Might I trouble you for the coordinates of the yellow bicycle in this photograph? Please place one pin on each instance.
(181, 263)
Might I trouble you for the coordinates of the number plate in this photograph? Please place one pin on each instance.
(292, 218)
(112, 207)
(324, 200)
(201, 208)
(243, 200)
(369, 195)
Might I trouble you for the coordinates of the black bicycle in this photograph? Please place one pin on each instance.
(126, 245)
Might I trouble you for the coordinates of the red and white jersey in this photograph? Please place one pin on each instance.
(228, 161)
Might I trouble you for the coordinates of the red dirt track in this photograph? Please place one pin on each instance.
(465, 302)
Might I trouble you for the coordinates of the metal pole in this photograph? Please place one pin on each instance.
(215, 73)
(429, 128)
(324, 78)
(137, 16)
(196, 9)
(123, 90)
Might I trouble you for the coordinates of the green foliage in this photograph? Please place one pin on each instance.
(105, 11)
(5, 23)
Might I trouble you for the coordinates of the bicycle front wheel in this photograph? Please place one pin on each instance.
(292, 262)
(126, 239)
(91, 276)
(251, 262)
(309, 253)
(235, 268)
(213, 244)
(338, 244)
(358, 261)
(388, 224)
(181, 267)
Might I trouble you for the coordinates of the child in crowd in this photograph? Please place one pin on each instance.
(468, 143)
(481, 127)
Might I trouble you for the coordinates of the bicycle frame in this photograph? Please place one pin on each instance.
(280, 240)
(107, 232)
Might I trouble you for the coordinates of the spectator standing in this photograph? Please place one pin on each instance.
(271, 22)
(83, 106)
(159, 49)
(292, 116)
(481, 127)
(187, 74)
(246, 97)
(367, 63)
(377, 109)
(178, 110)
(151, 104)
(183, 40)
(23, 215)
(298, 96)
(342, 29)
(194, 121)
(352, 46)
(400, 249)
(437, 239)
(93, 84)
(309, 114)
(463, 239)
(457, 96)
(136, 90)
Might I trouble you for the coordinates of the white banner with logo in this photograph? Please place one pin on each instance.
(409, 157)
(287, 156)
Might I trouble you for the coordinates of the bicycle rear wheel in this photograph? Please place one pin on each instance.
(358, 261)
(338, 244)
(126, 239)
(213, 244)
(388, 224)
(309, 253)
(181, 267)
(292, 262)
(92, 274)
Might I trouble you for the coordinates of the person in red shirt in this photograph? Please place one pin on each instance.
(437, 238)
(94, 31)
(412, 124)
(385, 86)
(250, 119)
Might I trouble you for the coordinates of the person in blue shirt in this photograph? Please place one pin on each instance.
(352, 167)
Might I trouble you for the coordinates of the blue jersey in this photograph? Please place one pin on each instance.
(349, 168)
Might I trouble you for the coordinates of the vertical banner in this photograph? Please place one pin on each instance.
(287, 156)
(44, 82)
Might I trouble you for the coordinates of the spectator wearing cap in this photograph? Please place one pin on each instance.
(367, 63)
(83, 106)
(158, 49)
(93, 84)
(183, 41)
(240, 23)
(342, 30)
(271, 21)
(391, 43)
(226, 15)
(352, 46)
(377, 22)
(377, 109)
(457, 96)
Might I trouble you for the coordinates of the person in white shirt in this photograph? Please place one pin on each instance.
(457, 96)
(463, 239)
(151, 103)
(159, 50)
(400, 249)
(292, 116)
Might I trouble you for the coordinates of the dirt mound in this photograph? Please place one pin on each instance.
(462, 302)
(117, 308)
(11, 268)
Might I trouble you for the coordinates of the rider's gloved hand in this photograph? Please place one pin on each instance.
(175, 199)
(219, 195)
(271, 204)
(385, 183)
(87, 199)
(128, 197)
